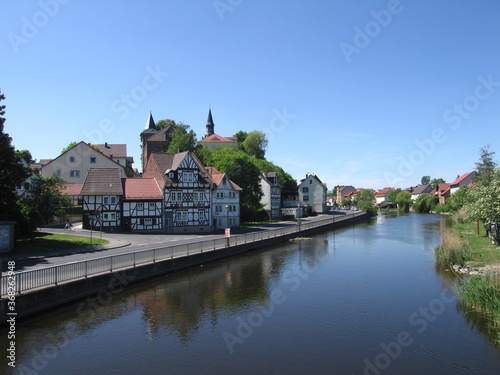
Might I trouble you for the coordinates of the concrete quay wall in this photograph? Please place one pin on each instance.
(106, 284)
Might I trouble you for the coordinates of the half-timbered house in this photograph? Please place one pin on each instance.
(142, 205)
(101, 195)
(186, 186)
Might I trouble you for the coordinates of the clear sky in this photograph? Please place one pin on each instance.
(363, 93)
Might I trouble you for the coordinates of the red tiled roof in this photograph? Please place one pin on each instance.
(461, 178)
(216, 138)
(218, 177)
(384, 191)
(141, 188)
(71, 189)
(117, 151)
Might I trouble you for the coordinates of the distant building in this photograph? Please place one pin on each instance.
(213, 140)
(225, 202)
(344, 192)
(74, 164)
(271, 198)
(381, 195)
(420, 190)
(312, 192)
(463, 180)
(154, 140)
(118, 153)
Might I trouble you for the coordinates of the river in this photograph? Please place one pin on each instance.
(366, 299)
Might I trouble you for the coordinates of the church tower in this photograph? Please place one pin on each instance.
(148, 131)
(154, 140)
(210, 124)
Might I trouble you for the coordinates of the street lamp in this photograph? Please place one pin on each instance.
(227, 233)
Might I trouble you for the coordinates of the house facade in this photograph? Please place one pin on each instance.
(271, 198)
(142, 205)
(442, 191)
(312, 192)
(74, 165)
(381, 195)
(420, 190)
(463, 180)
(186, 187)
(225, 201)
(118, 153)
(101, 193)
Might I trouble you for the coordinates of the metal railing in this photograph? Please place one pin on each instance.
(49, 276)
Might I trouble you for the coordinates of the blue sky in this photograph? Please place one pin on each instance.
(363, 93)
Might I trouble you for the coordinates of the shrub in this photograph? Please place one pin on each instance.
(440, 208)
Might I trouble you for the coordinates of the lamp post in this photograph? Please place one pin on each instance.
(227, 233)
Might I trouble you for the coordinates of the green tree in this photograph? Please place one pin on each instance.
(165, 123)
(240, 136)
(391, 196)
(287, 182)
(26, 155)
(69, 147)
(42, 202)
(458, 198)
(403, 200)
(12, 172)
(485, 168)
(183, 138)
(365, 197)
(255, 144)
(483, 203)
(242, 171)
(425, 203)
(426, 180)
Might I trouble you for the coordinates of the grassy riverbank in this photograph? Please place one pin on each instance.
(46, 242)
(462, 245)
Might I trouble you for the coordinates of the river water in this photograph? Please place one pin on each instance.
(366, 299)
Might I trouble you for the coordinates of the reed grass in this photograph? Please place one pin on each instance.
(454, 248)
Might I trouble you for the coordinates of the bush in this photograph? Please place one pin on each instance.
(370, 210)
(454, 249)
(440, 208)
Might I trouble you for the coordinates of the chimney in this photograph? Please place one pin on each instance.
(106, 145)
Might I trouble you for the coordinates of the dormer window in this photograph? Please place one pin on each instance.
(170, 174)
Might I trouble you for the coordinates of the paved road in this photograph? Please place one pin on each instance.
(123, 243)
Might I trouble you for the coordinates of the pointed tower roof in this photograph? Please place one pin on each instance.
(150, 123)
(210, 124)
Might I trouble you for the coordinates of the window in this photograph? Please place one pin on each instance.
(188, 177)
(92, 160)
(113, 216)
(176, 196)
(148, 221)
(181, 215)
(218, 208)
(152, 205)
(58, 173)
(305, 190)
(71, 159)
(140, 206)
(105, 200)
(74, 174)
(112, 200)
(306, 197)
(171, 175)
(310, 181)
(220, 194)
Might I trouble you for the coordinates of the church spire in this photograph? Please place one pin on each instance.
(210, 124)
(150, 123)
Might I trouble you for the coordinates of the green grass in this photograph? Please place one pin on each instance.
(482, 294)
(483, 251)
(46, 242)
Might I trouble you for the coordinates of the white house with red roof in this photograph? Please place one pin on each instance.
(463, 180)
(225, 200)
(142, 205)
(381, 195)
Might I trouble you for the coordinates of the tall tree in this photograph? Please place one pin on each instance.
(255, 144)
(26, 155)
(485, 167)
(183, 138)
(242, 171)
(435, 181)
(164, 123)
(12, 172)
(426, 180)
(403, 200)
(42, 201)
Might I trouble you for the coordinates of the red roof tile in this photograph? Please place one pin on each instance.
(141, 188)
(71, 189)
